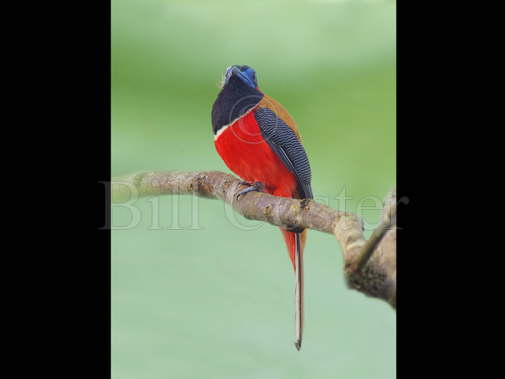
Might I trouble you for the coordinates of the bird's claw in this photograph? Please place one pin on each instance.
(256, 186)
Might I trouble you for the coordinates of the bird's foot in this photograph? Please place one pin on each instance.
(256, 186)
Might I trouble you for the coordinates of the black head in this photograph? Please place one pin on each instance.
(239, 94)
(245, 73)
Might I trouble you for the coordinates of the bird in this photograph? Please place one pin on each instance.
(259, 141)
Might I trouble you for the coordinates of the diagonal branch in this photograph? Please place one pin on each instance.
(388, 222)
(368, 275)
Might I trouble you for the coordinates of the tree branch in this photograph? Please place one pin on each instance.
(370, 265)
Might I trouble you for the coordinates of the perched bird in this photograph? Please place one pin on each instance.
(259, 141)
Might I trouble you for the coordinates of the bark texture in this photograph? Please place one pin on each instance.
(370, 264)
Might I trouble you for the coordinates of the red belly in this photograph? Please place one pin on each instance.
(247, 154)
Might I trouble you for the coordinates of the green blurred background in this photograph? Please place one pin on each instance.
(197, 291)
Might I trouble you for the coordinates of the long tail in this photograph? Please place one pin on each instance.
(295, 243)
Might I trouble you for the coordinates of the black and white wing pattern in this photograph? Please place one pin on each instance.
(284, 142)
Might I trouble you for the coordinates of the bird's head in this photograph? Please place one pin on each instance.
(239, 93)
(245, 74)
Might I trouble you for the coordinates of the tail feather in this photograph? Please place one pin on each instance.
(295, 243)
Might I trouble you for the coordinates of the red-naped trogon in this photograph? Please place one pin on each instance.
(259, 141)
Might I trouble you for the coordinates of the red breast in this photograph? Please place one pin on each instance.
(246, 153)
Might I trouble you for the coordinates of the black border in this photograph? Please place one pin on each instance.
(69, 299)
(103, 257)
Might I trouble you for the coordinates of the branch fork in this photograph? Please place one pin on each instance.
(370, 265)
